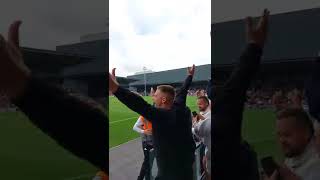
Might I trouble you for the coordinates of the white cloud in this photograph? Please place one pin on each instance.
(160, 35)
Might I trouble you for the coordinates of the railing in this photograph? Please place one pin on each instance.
(197, 174)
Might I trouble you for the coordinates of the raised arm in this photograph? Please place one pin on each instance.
(181, 95)
(229, 105)
(131, 100)
(229, 102)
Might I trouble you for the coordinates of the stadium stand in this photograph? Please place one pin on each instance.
(286, 55)
(200, 81)
(89, 77)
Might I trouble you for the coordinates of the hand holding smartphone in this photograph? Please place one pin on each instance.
(194, 113)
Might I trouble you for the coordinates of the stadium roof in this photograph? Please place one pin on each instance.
(203, 73)
(124, 80)
(97, 49)
(94, 37)
(49, 63)
(40, 56)
(292, 36)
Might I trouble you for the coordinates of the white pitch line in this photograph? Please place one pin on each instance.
(122, 144)
(122, 120)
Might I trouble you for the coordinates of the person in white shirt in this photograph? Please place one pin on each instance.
(202, 128)
(144, 127)
(203, 103)
(204, 106)
(296, 137)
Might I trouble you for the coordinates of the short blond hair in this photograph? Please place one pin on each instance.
(167, 89)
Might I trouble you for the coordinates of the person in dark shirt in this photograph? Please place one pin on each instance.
(312, 89)
(171, 123)
(232, 159)
(77, 126)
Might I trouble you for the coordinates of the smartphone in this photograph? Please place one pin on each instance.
(269, 165)
(194, 114)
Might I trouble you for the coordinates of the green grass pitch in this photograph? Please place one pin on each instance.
(27, 153)
(259, 130)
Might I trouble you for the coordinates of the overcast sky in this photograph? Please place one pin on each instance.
(160, 35)
(157, 34)
(48, 23)
(170, 34)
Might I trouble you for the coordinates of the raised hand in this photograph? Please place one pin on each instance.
(152, 91)
(113, 84)
(14, 74)
(113, 72)
(200, 117)
(191, 70)
(258, 34)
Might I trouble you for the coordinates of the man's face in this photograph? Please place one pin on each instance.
(293, 139)
(202, 104)
(159, 98)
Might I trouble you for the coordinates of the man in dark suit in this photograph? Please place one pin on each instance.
(171, 126)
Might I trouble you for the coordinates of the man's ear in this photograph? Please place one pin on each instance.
(164, 100)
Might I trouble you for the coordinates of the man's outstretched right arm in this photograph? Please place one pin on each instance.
(131, 100)
(135, 103)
